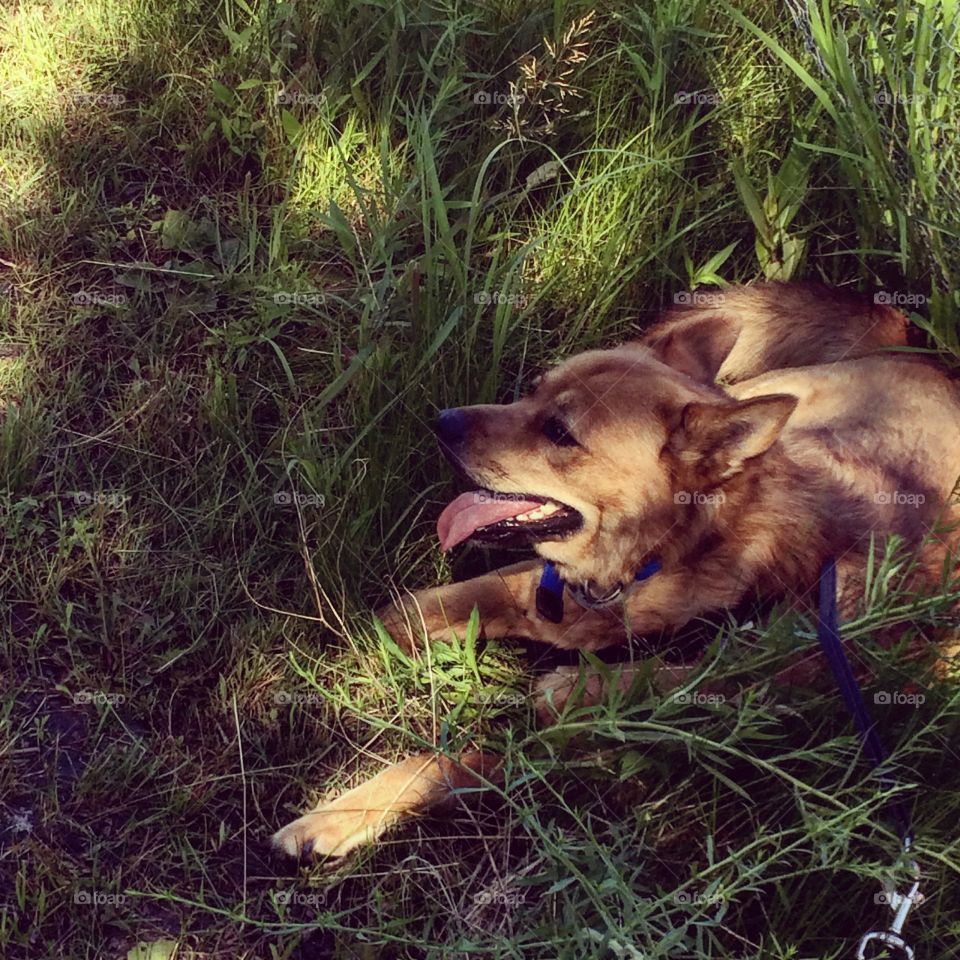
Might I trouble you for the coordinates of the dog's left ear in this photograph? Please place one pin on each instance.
(695, 344)
(714, 440)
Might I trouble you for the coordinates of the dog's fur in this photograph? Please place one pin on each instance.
(741, 444)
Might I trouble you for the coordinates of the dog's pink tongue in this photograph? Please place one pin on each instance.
(479, 508)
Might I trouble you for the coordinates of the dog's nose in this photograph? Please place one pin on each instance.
(450, 426)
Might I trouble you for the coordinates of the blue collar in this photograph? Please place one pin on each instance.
(550, 591)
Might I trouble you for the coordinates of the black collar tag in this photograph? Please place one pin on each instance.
(550, 594)
(550, 591)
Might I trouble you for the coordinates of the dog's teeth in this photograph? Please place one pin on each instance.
(547, 510)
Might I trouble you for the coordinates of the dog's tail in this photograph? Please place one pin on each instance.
(737, 333)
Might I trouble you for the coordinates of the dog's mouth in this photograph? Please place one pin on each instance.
(505, 519)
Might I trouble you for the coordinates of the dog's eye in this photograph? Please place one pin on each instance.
(557, 433)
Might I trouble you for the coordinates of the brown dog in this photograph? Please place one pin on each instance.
(734, 448)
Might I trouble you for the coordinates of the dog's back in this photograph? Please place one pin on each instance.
(886, 429)
(741, 332)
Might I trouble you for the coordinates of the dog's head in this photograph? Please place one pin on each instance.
(605, 464)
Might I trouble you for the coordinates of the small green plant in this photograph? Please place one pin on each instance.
(779, 252)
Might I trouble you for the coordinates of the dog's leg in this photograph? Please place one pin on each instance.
(424, 781)
(506, 599)
(400, 791)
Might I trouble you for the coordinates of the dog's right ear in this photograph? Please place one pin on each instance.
(695, 344)
(714, 440)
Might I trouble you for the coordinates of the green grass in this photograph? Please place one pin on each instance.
(249, 249)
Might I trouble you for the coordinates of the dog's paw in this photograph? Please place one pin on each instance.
(405, 625)
(328, 833)
(363, 814)
(553, 692)
(396, 622)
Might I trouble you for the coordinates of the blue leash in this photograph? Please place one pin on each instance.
(549, 600)
(550, 607)
(828, 633)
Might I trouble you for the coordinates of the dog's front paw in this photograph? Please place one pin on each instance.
(328, 832)
(398, 623)
(553, 692)
(410, 623)
(362, 814)
(358, 816)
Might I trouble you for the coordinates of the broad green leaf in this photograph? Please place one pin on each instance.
(222, 93)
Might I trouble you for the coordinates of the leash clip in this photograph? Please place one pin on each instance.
(587, 599)
(901, 905)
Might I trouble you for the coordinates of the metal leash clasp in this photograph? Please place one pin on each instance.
(901, 904)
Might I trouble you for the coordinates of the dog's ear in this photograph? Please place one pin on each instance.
(714, 440)
(694, 343)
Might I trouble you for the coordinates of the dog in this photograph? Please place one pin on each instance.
(730, 451)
